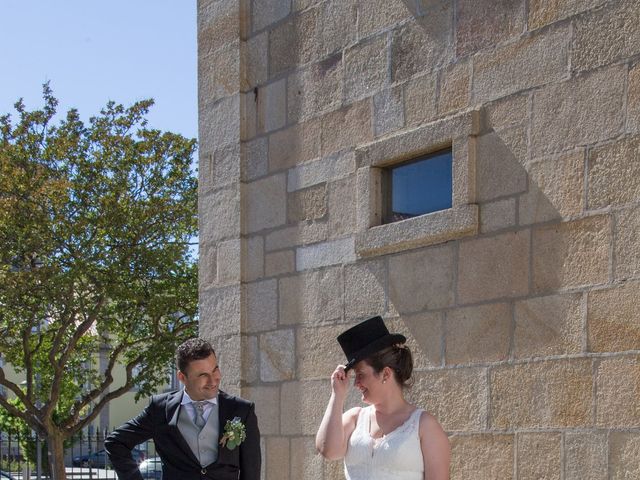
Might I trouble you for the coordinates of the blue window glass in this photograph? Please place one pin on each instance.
(421, 186)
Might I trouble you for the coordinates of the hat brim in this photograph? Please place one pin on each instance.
(374, 347)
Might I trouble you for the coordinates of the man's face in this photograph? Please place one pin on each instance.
(202, 378)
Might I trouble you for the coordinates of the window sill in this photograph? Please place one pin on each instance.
(436, 227)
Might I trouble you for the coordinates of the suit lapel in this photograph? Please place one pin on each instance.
(225, 412)
(172, 413)
(225, 406)
(173, 408)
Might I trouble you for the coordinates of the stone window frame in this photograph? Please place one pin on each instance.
(459, 133)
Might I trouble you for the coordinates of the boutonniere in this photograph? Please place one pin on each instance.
(234, 433)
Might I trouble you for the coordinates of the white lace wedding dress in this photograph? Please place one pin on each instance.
(396, 456)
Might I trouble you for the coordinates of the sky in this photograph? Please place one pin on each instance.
(93, 51)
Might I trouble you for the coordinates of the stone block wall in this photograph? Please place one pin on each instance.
(526, 327)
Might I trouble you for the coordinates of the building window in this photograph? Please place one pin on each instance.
(443, 153)
(419, 186)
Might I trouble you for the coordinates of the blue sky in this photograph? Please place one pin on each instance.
(93, 51)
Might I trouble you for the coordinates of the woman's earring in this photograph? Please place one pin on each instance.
(384, 381)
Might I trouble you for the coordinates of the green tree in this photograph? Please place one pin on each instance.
(22, 433)
(95, 225)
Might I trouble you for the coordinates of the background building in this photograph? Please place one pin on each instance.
(520, 300)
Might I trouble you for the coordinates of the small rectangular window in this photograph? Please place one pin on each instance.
(419, 186)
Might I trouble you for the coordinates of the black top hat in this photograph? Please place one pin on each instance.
(367, 338)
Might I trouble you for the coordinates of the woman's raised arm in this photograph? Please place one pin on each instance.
(336, 428)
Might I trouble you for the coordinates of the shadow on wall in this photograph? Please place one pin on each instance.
(472, 307)
(464, 305)
(455, 300)
(422, 9)
(485, 299)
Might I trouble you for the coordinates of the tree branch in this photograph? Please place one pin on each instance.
(32, 420)
(109, 396)
(28, 366)
(60, 364)
(17, 391)
(108, 380)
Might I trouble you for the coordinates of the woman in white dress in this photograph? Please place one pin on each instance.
(390, 439)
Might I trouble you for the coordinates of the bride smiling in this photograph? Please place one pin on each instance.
(390, 439)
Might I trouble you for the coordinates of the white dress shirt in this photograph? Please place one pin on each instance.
(208, 407)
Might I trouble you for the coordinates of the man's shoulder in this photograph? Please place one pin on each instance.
(234, 399)
(163, 398)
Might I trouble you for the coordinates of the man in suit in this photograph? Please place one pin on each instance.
(187, 426)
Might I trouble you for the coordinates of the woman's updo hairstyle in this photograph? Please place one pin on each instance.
(398, 358)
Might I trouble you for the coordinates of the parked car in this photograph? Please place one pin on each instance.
(99, 459)
(5, 476)
(151, 468)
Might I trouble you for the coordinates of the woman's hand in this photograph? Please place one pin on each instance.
(336, 427)
(340, 382)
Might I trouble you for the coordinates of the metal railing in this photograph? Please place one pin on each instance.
(85, 457)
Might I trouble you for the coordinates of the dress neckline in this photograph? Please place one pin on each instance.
(399, 427)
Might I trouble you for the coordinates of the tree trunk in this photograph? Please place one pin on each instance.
(55, 441)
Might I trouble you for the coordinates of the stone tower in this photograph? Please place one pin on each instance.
(521, 302)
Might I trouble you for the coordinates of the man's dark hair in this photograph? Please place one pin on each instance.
(192, 349)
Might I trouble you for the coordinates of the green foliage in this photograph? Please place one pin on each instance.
(17, 428)
(95, 266)
(12, 425)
